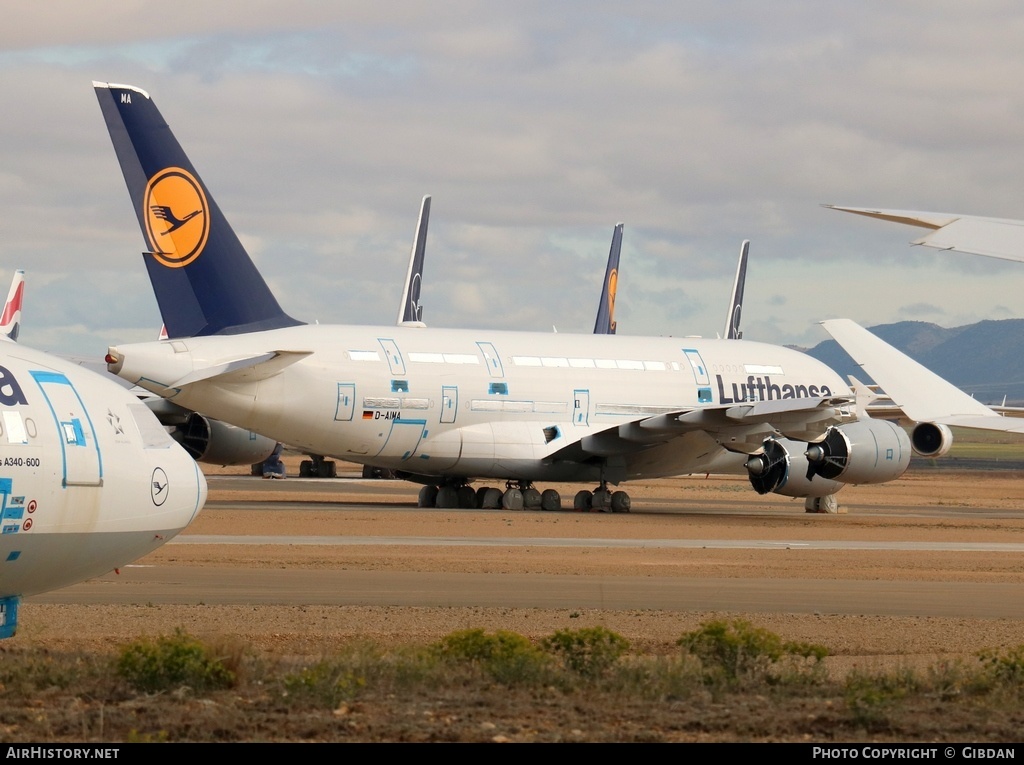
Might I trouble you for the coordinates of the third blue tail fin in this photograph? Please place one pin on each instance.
(732, 320)
(605, 324)
(205, 282)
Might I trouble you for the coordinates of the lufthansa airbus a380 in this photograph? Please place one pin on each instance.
(444, 406)
(89, 480)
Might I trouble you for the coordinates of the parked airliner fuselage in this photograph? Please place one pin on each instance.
(438, 402)
(89, 480)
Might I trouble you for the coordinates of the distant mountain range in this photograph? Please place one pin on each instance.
(985, 359)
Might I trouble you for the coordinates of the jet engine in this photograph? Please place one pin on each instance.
(774, 471)
(868, 451)
(930, 439)
(218, 443)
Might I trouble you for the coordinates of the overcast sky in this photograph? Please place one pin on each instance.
(536, 127)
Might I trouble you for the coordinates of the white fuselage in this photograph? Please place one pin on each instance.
(89, 480)
(439, 402)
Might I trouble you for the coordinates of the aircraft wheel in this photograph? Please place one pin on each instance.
(306, 469)
(447, 498)
(467, 498)
(550, 500)
(621, 502)
(827, 504)
(492, 499)
(602, 501)
(428, 497)
(531, 499)
(327, 469)
(583, 501)
(512, 499)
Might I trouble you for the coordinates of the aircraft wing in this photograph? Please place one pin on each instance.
(921, 394)
(993, 237)
(739, 428)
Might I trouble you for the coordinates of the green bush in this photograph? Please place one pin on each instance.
(872, 698)
(737, 650)
(590, 651)
(506, 656)
(171, 661)
(326, 683)
(1004, 667)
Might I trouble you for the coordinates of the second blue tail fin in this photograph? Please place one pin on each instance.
(205, 282)
(605, 323)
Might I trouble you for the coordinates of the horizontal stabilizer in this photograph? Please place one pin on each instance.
(250, 369)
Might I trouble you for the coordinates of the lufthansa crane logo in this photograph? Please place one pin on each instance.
(177, 217)
(613, 287)
(158, 486)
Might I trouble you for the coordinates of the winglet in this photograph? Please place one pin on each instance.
(605, 323)
(410, 311)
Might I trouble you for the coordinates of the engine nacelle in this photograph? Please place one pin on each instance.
(218, 443)
(930, 439)
(867, 451)
(781, 468)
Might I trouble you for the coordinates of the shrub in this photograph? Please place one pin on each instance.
(590, 651)
(506, 656)
(325, 683)
(172, 661)
(872, 698)
(1005, 667)
(731, 651)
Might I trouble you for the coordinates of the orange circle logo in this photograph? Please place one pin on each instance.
(177, 217)
(613, 287)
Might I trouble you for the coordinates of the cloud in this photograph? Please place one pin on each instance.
(536, 129)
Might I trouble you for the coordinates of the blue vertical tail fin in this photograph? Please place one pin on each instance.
(205, 282)
(411, 311)
(732, 320)
(605, 323)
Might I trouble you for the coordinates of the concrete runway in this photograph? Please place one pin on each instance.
(226, 582)
(248, 586)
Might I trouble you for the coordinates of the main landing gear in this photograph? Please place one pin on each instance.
(519, 495)
(602, 500)
(318, 467)
(826, 504)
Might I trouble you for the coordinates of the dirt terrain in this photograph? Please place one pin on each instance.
(982, 507)
(693, 507)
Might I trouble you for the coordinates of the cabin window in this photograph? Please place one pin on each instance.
(399, 386)
(498, 389)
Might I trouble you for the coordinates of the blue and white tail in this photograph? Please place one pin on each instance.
(205, 282)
